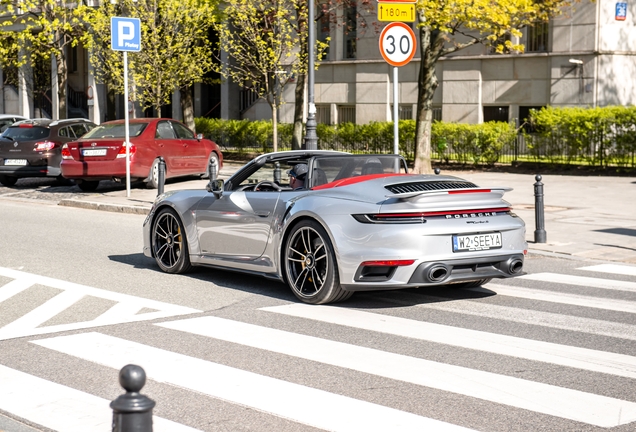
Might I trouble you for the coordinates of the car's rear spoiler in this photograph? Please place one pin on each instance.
(409, 195)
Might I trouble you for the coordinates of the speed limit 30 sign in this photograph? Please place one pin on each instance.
(397, 43)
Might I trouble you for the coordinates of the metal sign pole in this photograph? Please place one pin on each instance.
(127, 143)
(396, 120)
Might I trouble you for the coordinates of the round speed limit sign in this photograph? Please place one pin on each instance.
(397, 44)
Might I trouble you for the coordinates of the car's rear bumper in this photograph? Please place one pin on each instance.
(100, 170)
(30, 171)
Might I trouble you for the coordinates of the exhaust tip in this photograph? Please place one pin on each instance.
(515, 266)
(437, 273)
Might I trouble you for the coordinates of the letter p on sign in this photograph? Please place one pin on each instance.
(125, 34)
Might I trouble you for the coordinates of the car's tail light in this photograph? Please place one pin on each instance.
(25, 125)
(66, 153)
(387, 263)
(122, 150)
(44, 146)
(379, 271)
(421, 217)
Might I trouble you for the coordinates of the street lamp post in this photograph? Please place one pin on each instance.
(311, 139)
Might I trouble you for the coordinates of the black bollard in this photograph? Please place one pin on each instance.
(437, 171)
(132, 412)
(161, 175)
(539, 232)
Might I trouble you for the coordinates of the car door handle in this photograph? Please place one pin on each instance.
(262, 213)
(160, 144)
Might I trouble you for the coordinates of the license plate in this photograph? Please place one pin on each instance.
(94, 152)
(476, 242)
(15, 162)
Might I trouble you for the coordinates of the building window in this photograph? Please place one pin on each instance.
(346, 114)
(537, 37)
(524, 117)
(324, 27)
(405, 112)
(323, 114)
(437, 113)
(350, 32)
(71, 61)
(501, 40)
(496, 113)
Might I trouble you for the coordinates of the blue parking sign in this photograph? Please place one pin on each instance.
(125, 34)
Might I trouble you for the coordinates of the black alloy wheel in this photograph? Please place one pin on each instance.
(88, 185)
(8, 181)
(310, 265)
(169, 244)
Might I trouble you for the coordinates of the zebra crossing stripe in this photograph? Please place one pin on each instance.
(583, 281)
(524, 316)
(544, 398)
(612, 269)
(547, 352)
(288, 400)
(562, 298)
(62, 408)
(125, 309)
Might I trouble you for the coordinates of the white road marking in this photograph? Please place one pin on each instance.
(612, 269)
(581, 281)
(288, 400)
(562, 298)
(125, 310)
(563, 355)
(547, 399)
(528, 316)
(62, 408)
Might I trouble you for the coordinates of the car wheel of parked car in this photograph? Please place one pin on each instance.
(88, 185)
(169, 244)
(310, 265)
(63, 181)
(8, 180)
(153, 177)
(212, 157)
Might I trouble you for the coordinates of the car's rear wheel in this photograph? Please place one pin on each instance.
(169, 243)
(214, 157)
(153, 177)
(8, 180)
(88, 185)
(310, 266)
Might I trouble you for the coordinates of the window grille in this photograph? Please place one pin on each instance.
(537, 37)
(437, 114)
(323, 114)
(495, 113)
(346, 114)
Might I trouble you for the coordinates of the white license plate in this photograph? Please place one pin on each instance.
(94, 152)
(476, 242)
(15, 162)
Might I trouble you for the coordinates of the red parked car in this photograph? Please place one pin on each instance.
(101, 153)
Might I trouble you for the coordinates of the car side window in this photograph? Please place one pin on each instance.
(78, 130)
(182, 131)
(63, 132)
(164, 131)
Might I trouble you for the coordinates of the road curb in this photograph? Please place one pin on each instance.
(117, 208)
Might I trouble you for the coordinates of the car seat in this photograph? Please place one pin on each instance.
(319, 177)
(372, 166)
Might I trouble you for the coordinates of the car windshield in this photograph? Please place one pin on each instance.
(331, 168)
(17, 133)
(116, 130)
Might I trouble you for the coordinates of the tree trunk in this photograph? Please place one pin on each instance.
(187, 107)
(297, 137)
(62, 78)
(431, 45)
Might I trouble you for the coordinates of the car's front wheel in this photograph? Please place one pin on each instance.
(153, 177)
(310, 265)
(169, 243)
(8, 180)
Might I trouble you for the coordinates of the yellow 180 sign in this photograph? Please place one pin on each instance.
(393, 11)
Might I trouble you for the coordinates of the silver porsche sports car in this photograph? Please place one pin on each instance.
(355, 223)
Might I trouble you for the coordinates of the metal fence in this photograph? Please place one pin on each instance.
(524, 148)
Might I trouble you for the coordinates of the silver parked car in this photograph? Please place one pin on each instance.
(359, 222)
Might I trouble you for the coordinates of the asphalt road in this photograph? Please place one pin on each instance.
(554, 350)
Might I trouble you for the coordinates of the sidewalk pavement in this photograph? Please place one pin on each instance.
(585, 217)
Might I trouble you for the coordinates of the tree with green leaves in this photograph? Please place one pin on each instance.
(39, 30)
(176, 51)
(448, 26)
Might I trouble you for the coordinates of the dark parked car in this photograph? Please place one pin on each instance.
(101, 154)
(32, 148)
(7, 120)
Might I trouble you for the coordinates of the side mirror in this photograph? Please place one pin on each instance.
(200, 136)
(216, 187)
